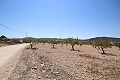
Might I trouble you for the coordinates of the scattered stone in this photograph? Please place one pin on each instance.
(100, 76)
(43, 71)
(47, 76)
(18, 76)
(34, 68)
(42, 64)
(56, 72)
(77, 78)
(39, 77)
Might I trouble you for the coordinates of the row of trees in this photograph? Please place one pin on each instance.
(54, 42)
(97, 43)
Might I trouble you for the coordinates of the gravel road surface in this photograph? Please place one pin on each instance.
(9, 51)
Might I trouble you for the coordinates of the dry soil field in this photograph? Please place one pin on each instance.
(46, 63)
(1, 44)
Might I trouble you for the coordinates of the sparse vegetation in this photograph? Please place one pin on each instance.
(43, 41)
(66, 41)
(53, 42)
(73, 42)
(117, 44)
(94, 43)
(3, 38)
(101, 44)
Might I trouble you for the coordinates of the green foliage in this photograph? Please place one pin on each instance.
(101, 43)
(80, 43)
(117, 44)
(27, 40)
(66, 41)
(43, 41)
(3, 38)
(53, 42)
(73, 42)
(94, 43)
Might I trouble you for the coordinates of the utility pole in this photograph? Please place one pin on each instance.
(26, 34)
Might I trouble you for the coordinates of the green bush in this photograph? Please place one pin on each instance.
(3, 38)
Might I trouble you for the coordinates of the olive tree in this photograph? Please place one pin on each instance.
(94, 43)
(101, 44)
(53, 42)
(43, 41)
(66, 41)
(73, 42)
(117, 44)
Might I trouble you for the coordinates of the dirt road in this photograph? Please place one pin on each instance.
(9, 51)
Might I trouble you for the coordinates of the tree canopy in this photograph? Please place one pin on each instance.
(101, 43)
(73, 42)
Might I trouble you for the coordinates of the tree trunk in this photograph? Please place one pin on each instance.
(31, 45)
(103, 50)
(53, 46)
(73, 47)
(66, 44)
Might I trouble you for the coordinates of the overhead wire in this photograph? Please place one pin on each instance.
(11, 29)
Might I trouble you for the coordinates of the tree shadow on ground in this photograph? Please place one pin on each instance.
(32, 48)
(76, 50)
(107, 54)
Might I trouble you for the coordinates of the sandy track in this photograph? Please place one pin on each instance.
(9, 56)
(9, 51)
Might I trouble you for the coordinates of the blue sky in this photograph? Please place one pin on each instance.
(60, 18)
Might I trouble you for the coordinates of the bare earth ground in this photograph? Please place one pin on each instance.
(1, 44)
(45, 63)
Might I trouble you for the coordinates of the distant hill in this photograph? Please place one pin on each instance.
(112, 39)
